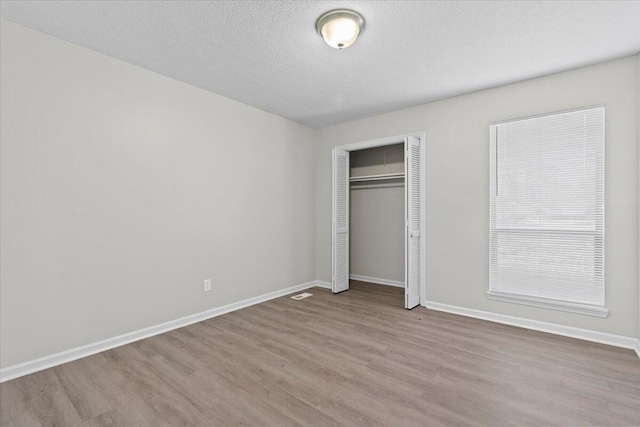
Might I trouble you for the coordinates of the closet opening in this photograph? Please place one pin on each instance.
(378, 209)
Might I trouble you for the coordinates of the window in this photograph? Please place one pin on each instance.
(547, 212)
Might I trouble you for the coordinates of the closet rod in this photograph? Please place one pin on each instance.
(377, 177)
(373, 185)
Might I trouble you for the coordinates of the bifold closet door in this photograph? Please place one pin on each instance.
(340, 234)
(412, 255)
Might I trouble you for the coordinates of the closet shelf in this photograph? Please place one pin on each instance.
(377, 177)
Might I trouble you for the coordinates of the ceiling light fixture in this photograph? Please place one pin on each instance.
(340, 28)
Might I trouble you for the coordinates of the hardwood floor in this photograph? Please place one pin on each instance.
(357, 358)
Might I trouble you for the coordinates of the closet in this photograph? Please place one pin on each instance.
(378, 211)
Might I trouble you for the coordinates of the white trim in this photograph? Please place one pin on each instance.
(390, 140)
(373, 143)
(31, 366)
(423, 216)
(552, 328)
(396, 283)
(322, 284)
(569, 307)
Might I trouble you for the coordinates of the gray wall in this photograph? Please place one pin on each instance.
(121, 190)
(377, 215)
(457, 224)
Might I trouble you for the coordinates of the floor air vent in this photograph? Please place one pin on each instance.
(301, 296)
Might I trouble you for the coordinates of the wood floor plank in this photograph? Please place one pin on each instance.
(357, 359)
(85, 395)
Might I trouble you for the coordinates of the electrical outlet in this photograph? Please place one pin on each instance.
(207, 285)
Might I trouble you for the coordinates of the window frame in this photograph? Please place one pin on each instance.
(539, 301)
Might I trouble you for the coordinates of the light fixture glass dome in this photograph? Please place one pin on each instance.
(340, 28)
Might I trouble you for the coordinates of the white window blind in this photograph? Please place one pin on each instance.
(547, 210)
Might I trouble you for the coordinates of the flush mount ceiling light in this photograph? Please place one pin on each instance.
(340, 28)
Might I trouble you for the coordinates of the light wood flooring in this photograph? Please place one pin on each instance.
(357, 358)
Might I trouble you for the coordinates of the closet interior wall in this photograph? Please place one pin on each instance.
(377, 214)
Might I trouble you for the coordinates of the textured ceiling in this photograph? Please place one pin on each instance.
(267, 54)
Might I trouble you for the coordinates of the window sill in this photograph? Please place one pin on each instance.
(569, 307)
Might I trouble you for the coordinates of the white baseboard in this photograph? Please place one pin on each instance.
(45, 362)
(322, 284)
(567, 331)
(52, 360)
(396, 283)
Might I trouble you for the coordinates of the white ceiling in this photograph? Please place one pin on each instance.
(268, 54)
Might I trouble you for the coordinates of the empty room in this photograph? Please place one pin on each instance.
(319, 213)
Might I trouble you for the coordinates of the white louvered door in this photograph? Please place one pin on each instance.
(340, 240)
(413, 255)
